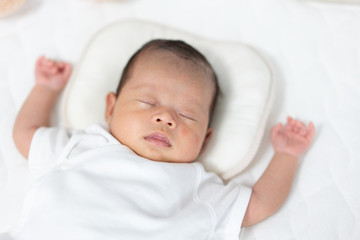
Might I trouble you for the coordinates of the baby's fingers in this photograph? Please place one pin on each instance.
(66, 70)
(311, 132)
(295, 126)
(275, 131)
(39, 62)
(289, 125)
(300, 128)
(45, 65)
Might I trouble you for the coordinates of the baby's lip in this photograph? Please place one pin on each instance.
(158, 139)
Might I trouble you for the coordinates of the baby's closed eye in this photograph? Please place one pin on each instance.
(147, 102)
(187, 116)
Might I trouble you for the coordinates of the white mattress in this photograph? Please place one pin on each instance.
(315, 52)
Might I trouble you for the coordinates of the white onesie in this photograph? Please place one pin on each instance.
(90, 186)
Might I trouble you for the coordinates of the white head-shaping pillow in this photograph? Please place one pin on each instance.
(244, 77)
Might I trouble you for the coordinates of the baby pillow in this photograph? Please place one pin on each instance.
(244, 77)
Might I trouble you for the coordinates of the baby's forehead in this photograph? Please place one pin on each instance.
(158, 61)
(160, 56)
(200, 74)
(170, 60)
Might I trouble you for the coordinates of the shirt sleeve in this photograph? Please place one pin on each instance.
(45, 150)
(228, 202)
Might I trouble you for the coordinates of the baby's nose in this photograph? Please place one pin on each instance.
(165, 118)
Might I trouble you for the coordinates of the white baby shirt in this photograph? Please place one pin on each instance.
(90, 186)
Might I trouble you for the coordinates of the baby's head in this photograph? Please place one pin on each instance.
(164, 102)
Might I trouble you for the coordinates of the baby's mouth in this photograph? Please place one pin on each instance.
(158, 139)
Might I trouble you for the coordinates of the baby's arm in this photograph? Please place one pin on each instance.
(51, 78)
(271, 190)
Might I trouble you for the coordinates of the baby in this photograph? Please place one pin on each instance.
(136, 176)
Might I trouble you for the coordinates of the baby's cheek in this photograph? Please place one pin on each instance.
(192, 138)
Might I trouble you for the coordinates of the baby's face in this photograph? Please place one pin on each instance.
(162, 111)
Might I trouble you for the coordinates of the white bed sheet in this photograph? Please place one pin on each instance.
(315, 51)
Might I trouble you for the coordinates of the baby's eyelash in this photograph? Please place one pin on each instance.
(186, 116)
(146, 102)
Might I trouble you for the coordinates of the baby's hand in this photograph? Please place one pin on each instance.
(51, 74)
(294, 139)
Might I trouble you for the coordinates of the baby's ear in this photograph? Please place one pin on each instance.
(207, 137)
(110, 104)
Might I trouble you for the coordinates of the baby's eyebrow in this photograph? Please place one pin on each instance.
(195, 108)
(140, 86)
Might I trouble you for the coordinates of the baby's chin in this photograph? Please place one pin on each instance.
(158, 156)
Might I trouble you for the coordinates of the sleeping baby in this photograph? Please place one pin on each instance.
(135, 176)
